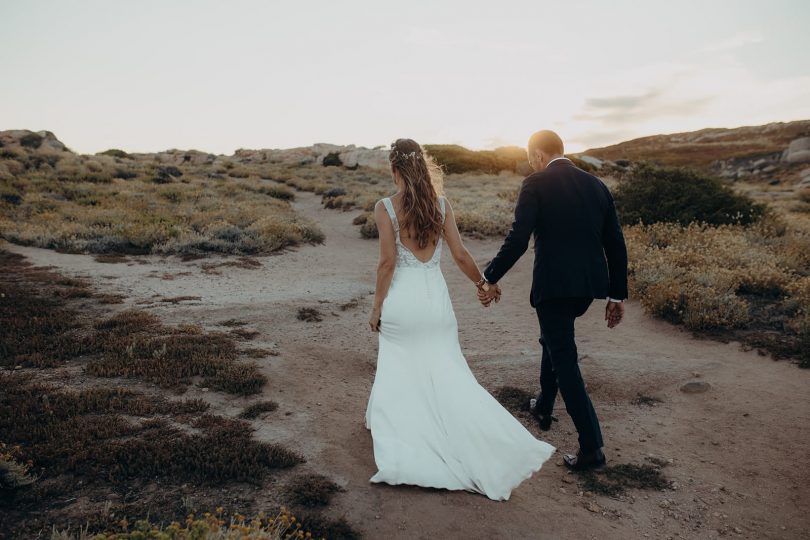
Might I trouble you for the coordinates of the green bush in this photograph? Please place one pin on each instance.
(31, 140)
(114, 152)
(650, 194)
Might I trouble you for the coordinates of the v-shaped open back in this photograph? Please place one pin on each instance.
(405, 256)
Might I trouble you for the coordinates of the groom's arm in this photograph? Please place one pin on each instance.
(615, 251)
(517, 241)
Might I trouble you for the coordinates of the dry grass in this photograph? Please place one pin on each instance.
(255, 410)
(258, 353)
(311, 490)
(37, 327)
(516, 400)
(308, 314)
(107, 204)
(483, 203)
(109, 437)
(280, 525)
(751, 283)
(243, 333)
(126, 453)
(614, 480)
(645, 400)
(178, 299)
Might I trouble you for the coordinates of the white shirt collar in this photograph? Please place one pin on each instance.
(555, 159)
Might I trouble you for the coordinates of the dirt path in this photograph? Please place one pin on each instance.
(738, 452)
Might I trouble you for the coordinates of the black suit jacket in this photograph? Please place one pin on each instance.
(579, 245)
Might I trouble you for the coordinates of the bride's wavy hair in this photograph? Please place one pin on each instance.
(421, 188)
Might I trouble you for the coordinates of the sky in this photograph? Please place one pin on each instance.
(220, 75)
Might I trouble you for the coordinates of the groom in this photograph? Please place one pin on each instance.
(579, 255)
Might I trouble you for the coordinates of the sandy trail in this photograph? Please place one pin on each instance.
(739, 451)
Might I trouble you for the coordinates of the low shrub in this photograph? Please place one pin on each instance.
(281, 525)
(311, 490)
(749, 283)
(255, 410)
(115, 152)
(648, 194)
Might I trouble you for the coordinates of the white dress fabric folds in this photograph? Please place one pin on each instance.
(432, 424)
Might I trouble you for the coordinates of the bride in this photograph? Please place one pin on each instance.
(432, 424)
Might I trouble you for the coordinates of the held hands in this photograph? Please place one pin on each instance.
(614, 313)
(487, 293)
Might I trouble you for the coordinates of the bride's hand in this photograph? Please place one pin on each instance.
(489, 294)
(374, 321)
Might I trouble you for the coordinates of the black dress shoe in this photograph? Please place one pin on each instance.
(585, 461)
(543, 420)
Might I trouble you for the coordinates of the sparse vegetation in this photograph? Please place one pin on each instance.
(648, 194)
(308, 314)
(77, 437)
(281, 525)
(614, 480)
(113, 203)
(645, 400)
(516, 400)
(255, 410)
(750, 283)
(311, 490)
(210, 526)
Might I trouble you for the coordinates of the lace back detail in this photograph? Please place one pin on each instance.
(405, 256)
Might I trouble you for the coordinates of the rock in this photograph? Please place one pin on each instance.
(805, 174)
(350, 156)
(695, 387)
(592, 507)
(596, 162)
(798, 151)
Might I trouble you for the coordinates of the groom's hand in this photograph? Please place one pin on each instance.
(614, 313)
(486, 297)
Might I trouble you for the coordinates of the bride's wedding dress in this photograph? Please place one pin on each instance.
(432, 424)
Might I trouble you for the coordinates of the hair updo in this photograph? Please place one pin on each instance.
(421, 188)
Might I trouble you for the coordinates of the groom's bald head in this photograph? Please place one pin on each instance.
(547, 142)
(544, 146)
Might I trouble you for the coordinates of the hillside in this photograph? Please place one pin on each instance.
(704, 147)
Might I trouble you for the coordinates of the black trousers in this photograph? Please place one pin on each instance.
(559, 369)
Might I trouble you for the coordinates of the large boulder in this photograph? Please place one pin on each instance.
(180, 157)
(32, 140)
(798, 151)
(596, 162)
(364, 157)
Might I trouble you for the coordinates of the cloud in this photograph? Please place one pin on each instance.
(652, 104)
(596, 139)
(621, 102)
(711, 90)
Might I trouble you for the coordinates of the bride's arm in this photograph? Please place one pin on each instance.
(386, 264)
(461, 256)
